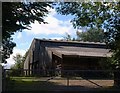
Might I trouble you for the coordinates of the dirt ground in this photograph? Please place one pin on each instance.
(90, 83)
(85, 83)
(59, 84)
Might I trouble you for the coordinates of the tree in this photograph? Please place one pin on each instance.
(18, 61)
(92, 35)
(17, 16)
(68, 37)
(18, 66)
(24, 58)
(104, 15)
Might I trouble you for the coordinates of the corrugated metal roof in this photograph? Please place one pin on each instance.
(55, 40)
(80, 51)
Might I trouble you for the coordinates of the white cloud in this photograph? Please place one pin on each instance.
(10, 60)
(54, 26)
(80, 30)
(19, 35)
(52, 11)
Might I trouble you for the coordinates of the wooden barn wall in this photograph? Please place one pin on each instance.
(44, 56)
(79, 63)
(40, 58)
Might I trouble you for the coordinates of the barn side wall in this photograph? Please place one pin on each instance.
(40, 57)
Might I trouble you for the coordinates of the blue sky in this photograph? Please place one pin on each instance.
(58, 25)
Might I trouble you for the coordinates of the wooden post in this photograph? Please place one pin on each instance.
(117, 78)
(1, 78)
(67, 80)
(4, 80)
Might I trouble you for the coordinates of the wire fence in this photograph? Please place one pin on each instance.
(103, 74)
(65, 77)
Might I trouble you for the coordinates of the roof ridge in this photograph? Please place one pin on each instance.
(55, 40)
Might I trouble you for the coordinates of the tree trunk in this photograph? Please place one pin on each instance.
(117, 78)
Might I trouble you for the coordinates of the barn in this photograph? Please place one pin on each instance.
(46, 55)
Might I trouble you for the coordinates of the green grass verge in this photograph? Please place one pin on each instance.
(29, 84)
(36, 84)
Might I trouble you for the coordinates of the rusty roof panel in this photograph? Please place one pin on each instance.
(81, 51)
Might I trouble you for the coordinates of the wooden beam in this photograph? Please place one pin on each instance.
(57, 54)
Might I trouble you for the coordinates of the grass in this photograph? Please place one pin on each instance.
(46, 84)
(29, 84)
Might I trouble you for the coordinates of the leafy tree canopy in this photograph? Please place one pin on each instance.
(103, 15)
(90, 14)
(18, 61)
(17, 68)
(92, 35)
(17, 16)
(67, 37)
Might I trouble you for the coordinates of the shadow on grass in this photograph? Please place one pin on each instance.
(20, 85)
(29, 85)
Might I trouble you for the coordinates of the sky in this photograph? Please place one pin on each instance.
(57, 27)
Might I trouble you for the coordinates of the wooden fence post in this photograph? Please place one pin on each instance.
(1, 78)
(67, 79)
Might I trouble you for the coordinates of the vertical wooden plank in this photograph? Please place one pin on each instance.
(0, 46)
(67, 80)
(1, 78)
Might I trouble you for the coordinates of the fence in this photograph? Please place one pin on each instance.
(103, 74)
(68, 77)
